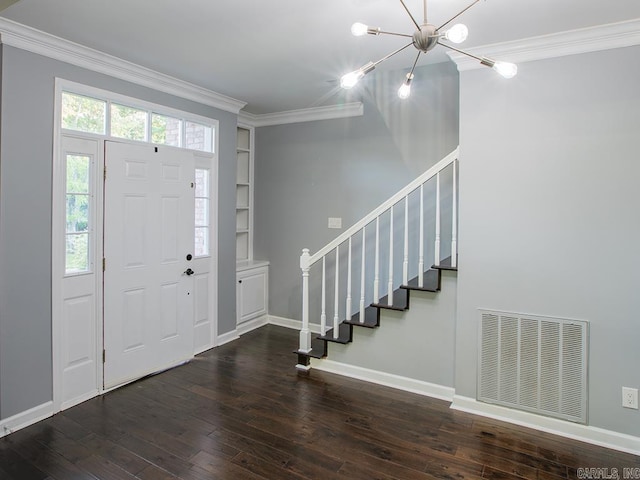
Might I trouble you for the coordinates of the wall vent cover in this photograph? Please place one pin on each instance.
(535, 364)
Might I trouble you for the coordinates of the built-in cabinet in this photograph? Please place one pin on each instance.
(252, 276)
(244, 194)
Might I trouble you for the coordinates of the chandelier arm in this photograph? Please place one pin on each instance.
(392, 54)
(461, 51)
(412, 19)
(382, 32)
(458, 14)
(414, 65)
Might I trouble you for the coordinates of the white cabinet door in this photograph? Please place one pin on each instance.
(252, 293)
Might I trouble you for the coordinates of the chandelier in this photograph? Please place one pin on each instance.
(424, 39)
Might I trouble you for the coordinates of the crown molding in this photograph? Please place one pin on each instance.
(346, 110)
(572, 42)
(36, 41)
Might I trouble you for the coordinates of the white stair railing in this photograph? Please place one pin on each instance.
(371, 280)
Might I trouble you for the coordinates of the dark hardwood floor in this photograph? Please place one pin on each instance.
(241, 411)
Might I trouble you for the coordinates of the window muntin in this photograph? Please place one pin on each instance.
(78, 216)
(201, 220)
(84, 114)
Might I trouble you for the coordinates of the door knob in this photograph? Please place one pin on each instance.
(188, 271)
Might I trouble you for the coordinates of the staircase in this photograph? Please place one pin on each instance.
(414, 215)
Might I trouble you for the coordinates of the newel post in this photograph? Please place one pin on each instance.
(305, 333)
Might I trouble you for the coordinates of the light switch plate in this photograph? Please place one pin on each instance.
(335, 222)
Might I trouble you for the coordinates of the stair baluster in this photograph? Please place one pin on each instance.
(405, 260)
(376, 279)
(323, 314)
(362, 274)
(436, 255)
(336, 304)
(454, 219)
(348, 302)
(421, 244)
(390, 284)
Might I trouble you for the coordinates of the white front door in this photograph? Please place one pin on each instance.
(148, 252)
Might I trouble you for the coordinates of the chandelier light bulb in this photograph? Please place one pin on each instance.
(405, 89)
(359, 29)
(350, 79)
(506, 69)
(457, 34)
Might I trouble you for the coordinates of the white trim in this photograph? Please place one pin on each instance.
(246, 327)
(57, 255)
(78, 400)
(227, 338)
(291, 323)
(331, 112)
(387, 379)
(572, 42)
(26, 418)
(575, 431)
(26, 38)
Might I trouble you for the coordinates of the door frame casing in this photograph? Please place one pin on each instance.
(58, 208)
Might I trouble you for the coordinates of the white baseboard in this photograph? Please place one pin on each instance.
(78, 400)
(575, 431)
(388, 379)
(26, 418)
(291, 323)
(249, 325)
(227, 337)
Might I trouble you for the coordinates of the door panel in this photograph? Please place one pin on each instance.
(148, 299)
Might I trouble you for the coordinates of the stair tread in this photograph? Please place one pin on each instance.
(445, 265)
(313, 353)
(431, 282)
(371, 318)
(345, 334)
(400, 301)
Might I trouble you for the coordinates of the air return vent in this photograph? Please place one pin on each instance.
(536, 364)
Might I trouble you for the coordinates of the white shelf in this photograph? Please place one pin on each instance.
(244, 194)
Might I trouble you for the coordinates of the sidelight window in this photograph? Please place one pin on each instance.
(78, 213)
(201, 221)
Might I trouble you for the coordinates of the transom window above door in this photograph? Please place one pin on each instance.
(97, 116)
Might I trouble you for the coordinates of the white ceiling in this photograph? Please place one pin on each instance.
(287, 54)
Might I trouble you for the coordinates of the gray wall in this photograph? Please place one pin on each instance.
(549, 200)
(307, 172)
(417, 344)
(26, 148)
